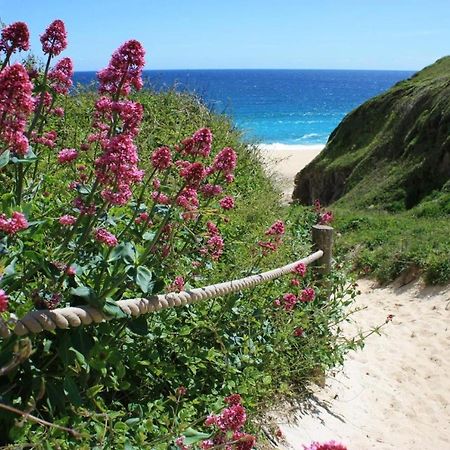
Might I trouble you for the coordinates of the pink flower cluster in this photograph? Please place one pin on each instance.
(162, 158)
(214, 243)
(326, 218)
(15, 37)
(67, 155)
(54, 39)
(48, 138)
(60, 76)
(67, 220)
(116, 168)
(331, 445)
(289, 300)
(3, 301)
(193, 173)
(225, 161)
(229, 424)
(16, 223)
(275, 232)
(299, 269)
(227, 203)
(177, 285)
(16, 105)
(199, 144)
(105, 237)
(124, 70)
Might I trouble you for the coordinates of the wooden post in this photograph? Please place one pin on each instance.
(322, 237)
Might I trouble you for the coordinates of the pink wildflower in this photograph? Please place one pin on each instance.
(67, 220)
(244, 441)
(212, 228)
(290, 301)
(71, 271)
(199, 144)
(16, 105)
(124, 70)
(215, 246)
(105, 237)
(177, 285)
(276, 228)
(233, 399)
(300, 269)
(207, 444)
(295, 282)
(232, 418)
(193, 173)
(331, 445)
(229, 178)
(179, 442)
(211, 190)
(225, 161)
(188, 199)
(307, 295)
(67, 155)
(59, 112)
(142, 218)
(54, 40)
(60, 76)
(160, 198)
(326, 218)
(298, 332)
(16, 223)
(3, 301)
(15, 37)
(117, 170)
(210, 420)
(156, 183)
(317, 205)
(227, 203)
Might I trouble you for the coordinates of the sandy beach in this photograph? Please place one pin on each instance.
(286, 160)
(393, 394)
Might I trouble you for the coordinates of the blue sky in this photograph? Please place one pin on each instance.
(195, 34)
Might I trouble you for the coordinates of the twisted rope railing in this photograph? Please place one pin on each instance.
(71, 317)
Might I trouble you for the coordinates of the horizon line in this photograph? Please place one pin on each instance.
(265, 68)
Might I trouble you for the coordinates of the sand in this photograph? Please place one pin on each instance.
(393, 394)
(286, 160)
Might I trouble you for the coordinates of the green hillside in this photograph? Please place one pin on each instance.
(390, 153)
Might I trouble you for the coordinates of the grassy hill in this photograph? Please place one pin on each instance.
(391, 152)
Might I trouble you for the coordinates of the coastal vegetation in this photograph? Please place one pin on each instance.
(386, 172)
(124, 193)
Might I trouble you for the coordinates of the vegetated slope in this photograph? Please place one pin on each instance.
(389, 153)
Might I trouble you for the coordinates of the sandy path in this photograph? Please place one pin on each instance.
(395, 393)
(286, 160)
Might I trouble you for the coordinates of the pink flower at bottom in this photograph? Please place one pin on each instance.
(67, 220)
(331, 445)
(3, 301)
(227, 203)
(105, 237)
(67, 155)
(307, 295)
(11, 226)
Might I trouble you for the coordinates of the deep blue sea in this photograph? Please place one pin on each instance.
(299, 107)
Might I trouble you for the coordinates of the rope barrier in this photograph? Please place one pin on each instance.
(71, 317)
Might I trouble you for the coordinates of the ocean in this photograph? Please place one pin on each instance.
(291, 107)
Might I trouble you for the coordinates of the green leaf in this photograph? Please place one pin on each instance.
(193, 436)
(28, 158)
(139, 326)
(111, 308)
(4, 158)
(72, 392)
(148, 236)
(124, 251)
(144, 279)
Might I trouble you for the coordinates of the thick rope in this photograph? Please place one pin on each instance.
(37, 321)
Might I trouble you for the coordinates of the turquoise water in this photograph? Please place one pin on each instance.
(299, 107)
